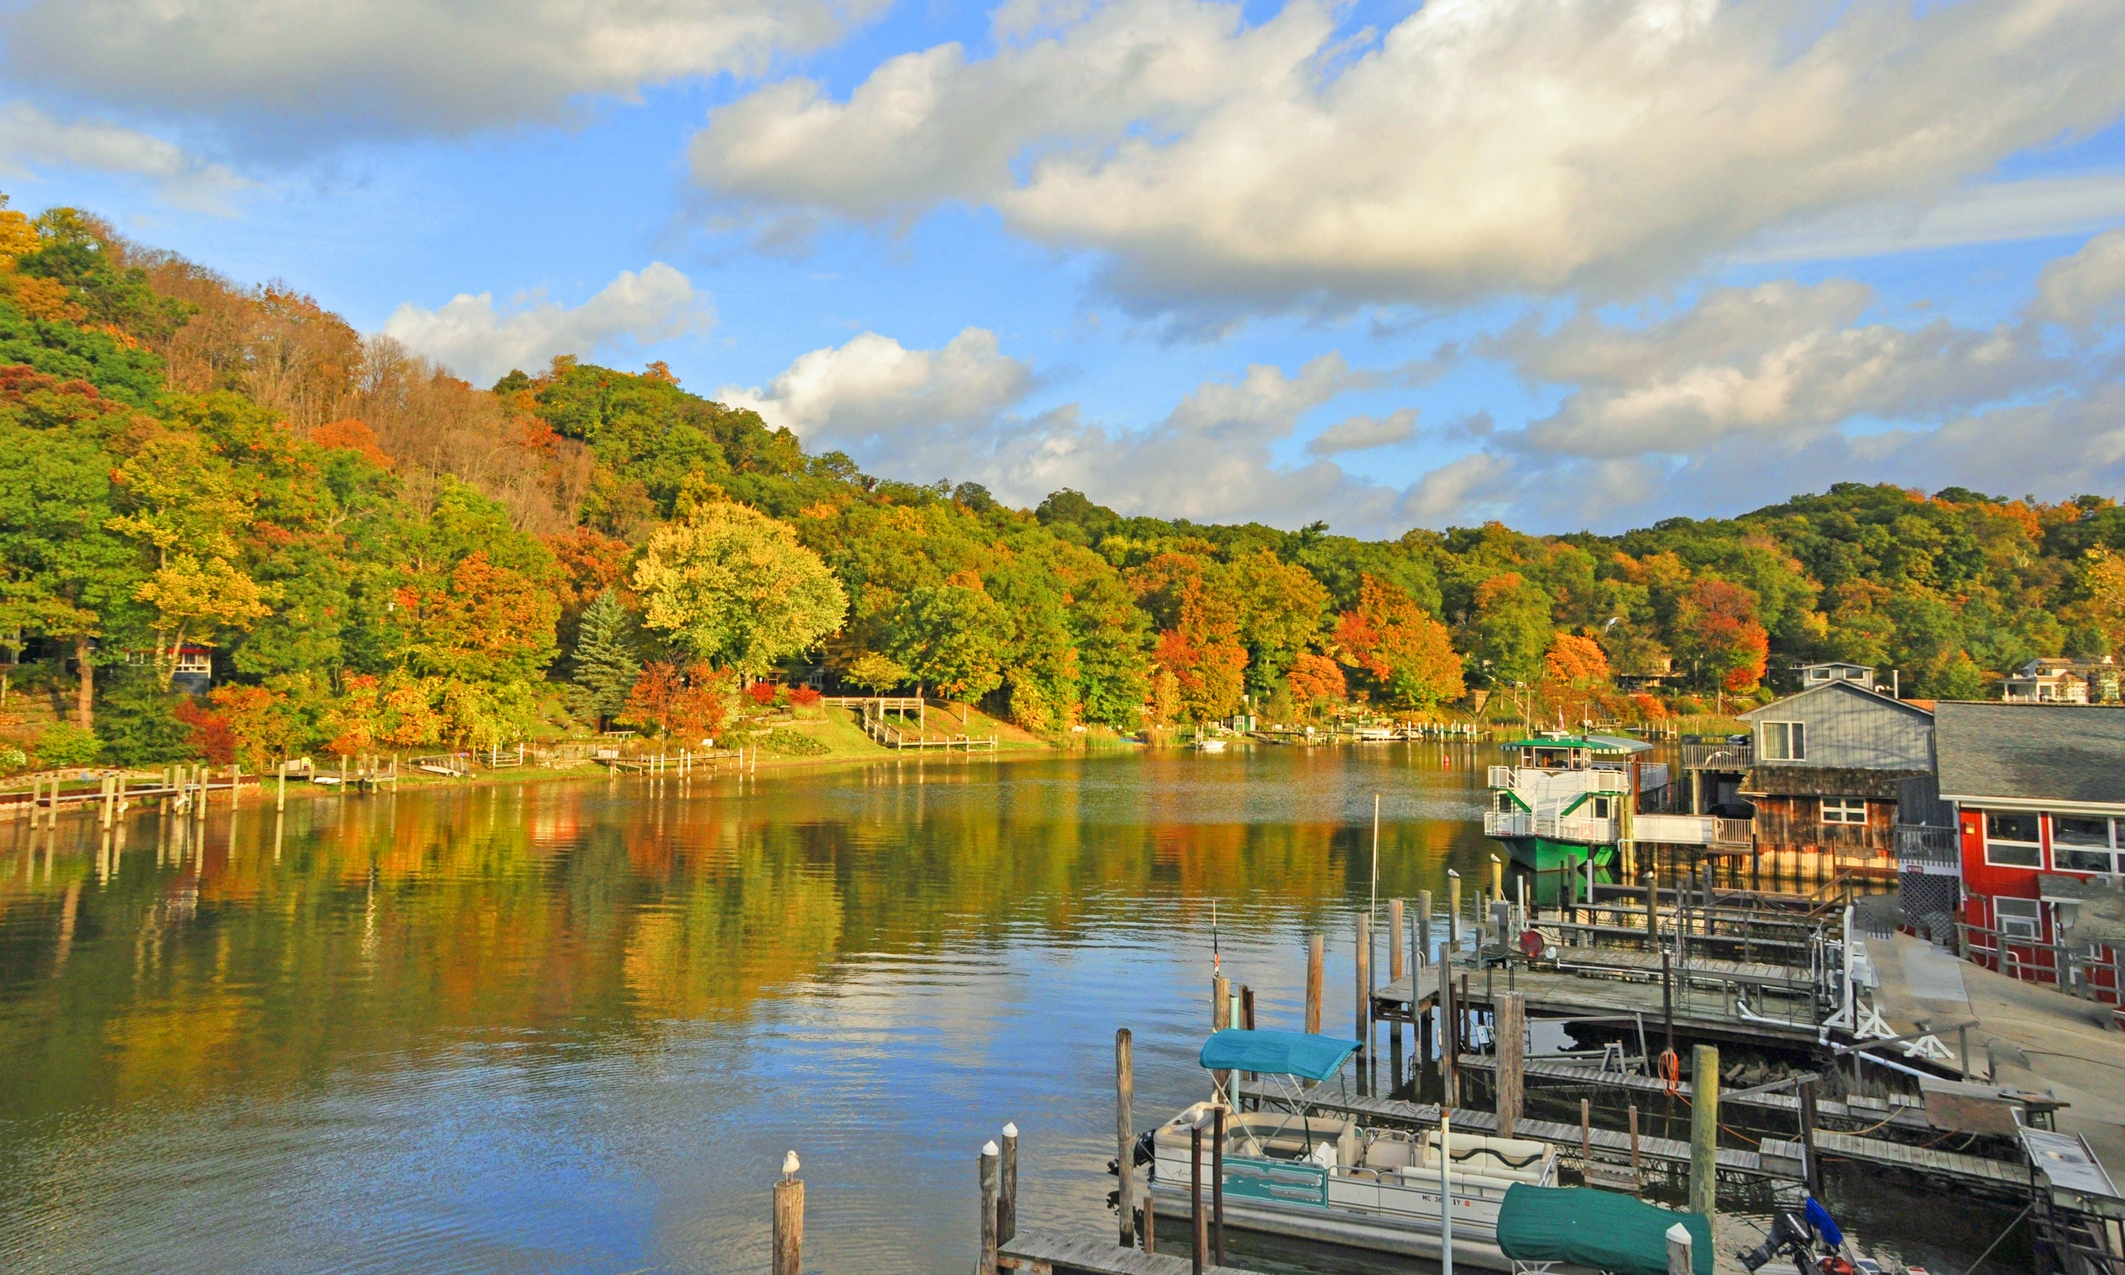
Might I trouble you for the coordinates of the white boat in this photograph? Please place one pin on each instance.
(1329, 1179)
(1210, 745)
(1377, 734)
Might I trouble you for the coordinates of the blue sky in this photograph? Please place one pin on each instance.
(1571, 263)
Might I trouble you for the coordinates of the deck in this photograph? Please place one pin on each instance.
(1078, 1255)
(1700, 1012)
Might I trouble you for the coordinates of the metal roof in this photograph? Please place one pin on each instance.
(2067, 753)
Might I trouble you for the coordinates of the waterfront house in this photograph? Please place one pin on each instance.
(2039, 791)
(2046, 680)
(1833, 771)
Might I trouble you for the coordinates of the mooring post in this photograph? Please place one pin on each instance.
(1667, 997)
(989, 1152)
(1586, 1135)
(1423, 954)
(1364, 978)
(789, 1226)
(1704, 1131)
(1497, 879)
(1007, 1193)
(1680, 1244)
(1394, 939)
(110, 799)
(1220, 1019)
(1453, 915)
(280, 792)
(1810, 1172)
(1510, 1041)
(1634, 1143)
(1198, 1230)
(1652, 914)
(1449, 1038)
(1217, 1188)
(1125, 1136)
(1314, 957)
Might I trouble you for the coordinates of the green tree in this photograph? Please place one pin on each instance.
(736, 588)
(605, 664)
(951, 638)
(1510, 628)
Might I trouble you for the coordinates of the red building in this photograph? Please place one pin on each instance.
(2039, 791)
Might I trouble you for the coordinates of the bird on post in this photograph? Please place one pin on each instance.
(789, 1166)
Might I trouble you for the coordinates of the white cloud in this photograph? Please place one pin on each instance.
(1478, 147)
(955, 412)
(2085, 289)
(873, 390)
(470, 335)
(1358, 433)
(292, 70)
(29, 138)
(1989, 212)
(1776, 363)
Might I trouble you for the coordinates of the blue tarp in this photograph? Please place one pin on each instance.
(1276, 1053)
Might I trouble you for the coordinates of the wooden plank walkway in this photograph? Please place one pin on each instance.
(1710, 969)
(1666, 1150)
(1699, 1013)
(1908, 1114)
(1075, 1255)
(1965, 1170)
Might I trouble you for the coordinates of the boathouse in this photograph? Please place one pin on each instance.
(2039, 791)
(1833, 771)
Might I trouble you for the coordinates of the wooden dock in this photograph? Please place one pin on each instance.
(1700, 1012)
(1074, 1255)
(1426, 1115)
(1908, 1114)
(2011, 1176)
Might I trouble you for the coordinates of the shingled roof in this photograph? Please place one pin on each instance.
(2031, 752)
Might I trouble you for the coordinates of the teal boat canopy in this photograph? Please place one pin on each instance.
(1589, 1227)
(1276, 1053)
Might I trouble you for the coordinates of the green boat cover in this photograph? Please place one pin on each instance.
(1601, 1229)
(1276, 1053)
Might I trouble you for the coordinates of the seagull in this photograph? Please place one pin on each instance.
(789, 1166)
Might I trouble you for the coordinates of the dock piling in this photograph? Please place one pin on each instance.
(789, 1227)
(1510, 1040)
(1586, 1135)
(1423, 955)
(1704, 1131)
(1217, 1188)
(1314, 956)
(1453, 914)
(1635, 1170)
(1449, 1037)
(989, 1153)
(1364, 987)
(1007, 1194)
(1125, 1139)
(1394, 938)
(1198, 1229)
(1681, 1261)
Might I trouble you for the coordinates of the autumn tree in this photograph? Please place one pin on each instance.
(681, 703)
(1716, 631)
(1408, 655)
(1316, 681)
(734, 587)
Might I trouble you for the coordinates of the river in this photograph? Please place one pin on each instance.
(577, 1025)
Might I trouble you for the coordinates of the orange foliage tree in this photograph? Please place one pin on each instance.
(1316, 680)
(1407, 653)
(679, 703)
(1716, 630)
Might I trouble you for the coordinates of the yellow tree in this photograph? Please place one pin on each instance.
(734, 587)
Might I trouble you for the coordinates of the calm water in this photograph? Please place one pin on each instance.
(575, 1026)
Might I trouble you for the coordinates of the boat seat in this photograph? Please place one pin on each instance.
(1390, 1153)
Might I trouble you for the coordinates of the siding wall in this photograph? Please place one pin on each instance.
(1847, 726)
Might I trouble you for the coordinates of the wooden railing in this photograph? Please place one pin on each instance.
(1927, 849)
(1718, 756)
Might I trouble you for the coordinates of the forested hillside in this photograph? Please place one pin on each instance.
(381, 556)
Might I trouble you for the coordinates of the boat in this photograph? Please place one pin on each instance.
(1210, 745)
(1328, 1179)
(1561, 800)
(1378, 734)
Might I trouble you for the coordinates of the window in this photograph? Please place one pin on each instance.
(2081, 845)
(1819, 674)
(1844, 810)
(2015, 918)
(1604, 807)
(2010, 840)
(1783, 741)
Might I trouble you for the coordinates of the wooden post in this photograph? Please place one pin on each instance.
(1247, 1008)
(1704, 1131)
(1394, 939)
(1680, 1259)
(1423, 928)
(1586, 1134)
(1198, 1229)
(1453, 914)
(1667, 998)
(1510, 1042)
(280, 793)
(1652, 914)
(1810, 1171)
(988, 1208)
(1007, 1195)
(110, 798)
(1314, 956)
(1634, 1143)
(1125, 1137)
(1497, 877)
(789, 1227)
(1220, 1019)
(1449, 1038)
(1364, 973)
(1217, 1188)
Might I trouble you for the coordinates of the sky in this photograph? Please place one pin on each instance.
(1572, 264)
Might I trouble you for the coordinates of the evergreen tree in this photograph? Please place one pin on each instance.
(605, 663)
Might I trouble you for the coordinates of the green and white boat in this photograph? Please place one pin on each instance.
(1561, 800)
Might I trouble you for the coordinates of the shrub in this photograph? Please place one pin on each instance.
(12, 759)
(790, 744)
(65, 744)
(803, 696)
(762, 693)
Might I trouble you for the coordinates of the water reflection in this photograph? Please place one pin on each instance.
(576, 1025)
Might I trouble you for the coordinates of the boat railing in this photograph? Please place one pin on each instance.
(1515, 824)
(1572, 828)
(1652, 774)
(1602, 779)
(1501, 776)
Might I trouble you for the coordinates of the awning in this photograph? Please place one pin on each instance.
(1600, 1229)
(1276, 1053)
